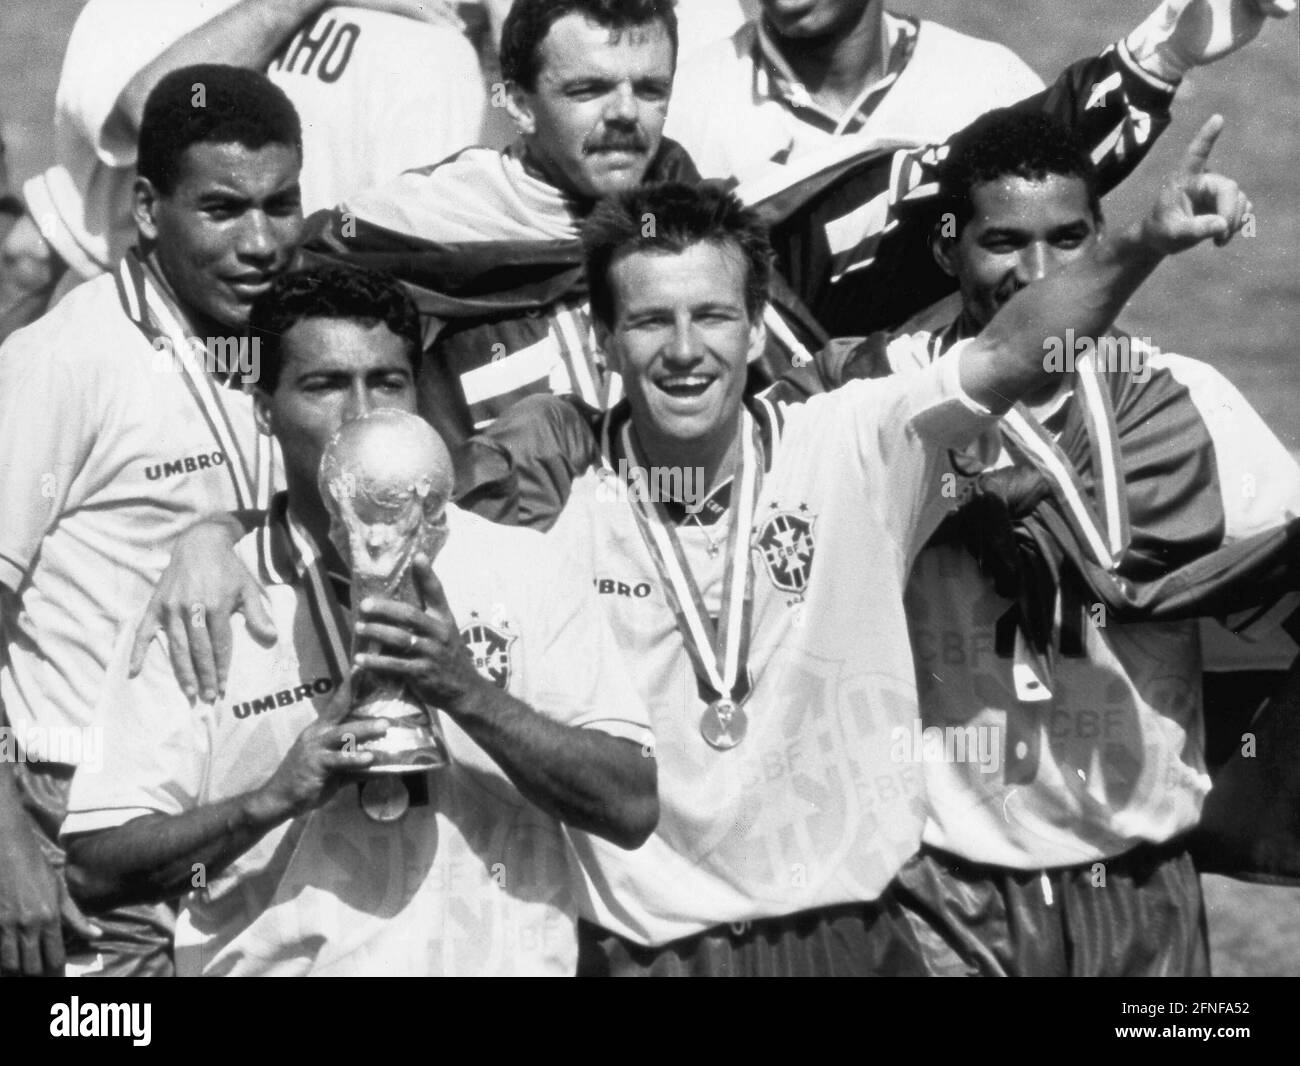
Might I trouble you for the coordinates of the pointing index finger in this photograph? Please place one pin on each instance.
(1198, 152)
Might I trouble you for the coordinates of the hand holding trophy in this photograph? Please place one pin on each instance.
(386, 479)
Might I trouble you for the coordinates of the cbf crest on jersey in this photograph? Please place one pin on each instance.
(784, 541)
(490, 647)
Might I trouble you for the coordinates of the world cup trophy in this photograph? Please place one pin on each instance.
(386, 479)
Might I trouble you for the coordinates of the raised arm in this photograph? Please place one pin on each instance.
(880, 272)
(249, 34)
(1007, 360)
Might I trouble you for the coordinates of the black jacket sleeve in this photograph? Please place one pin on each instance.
(879, 275)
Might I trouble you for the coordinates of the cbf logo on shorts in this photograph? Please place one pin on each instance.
(489, 646)
(784, 540)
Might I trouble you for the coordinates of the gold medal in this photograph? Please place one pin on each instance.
(724, 724)
(719, 650)
(385, 798)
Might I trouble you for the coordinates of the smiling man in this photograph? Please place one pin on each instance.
(118, 429)
(379, 84)
(819, 88)
(298, 880)
(1068, 857)
(774, 655)
(491, 237)
(784, 818)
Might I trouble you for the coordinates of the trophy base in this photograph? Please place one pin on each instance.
(397, 779)
(412, 744)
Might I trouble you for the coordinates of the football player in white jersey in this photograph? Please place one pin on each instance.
(805, 74)
(769, 648)
(380, 85)
(121, 423)
(741, 605)
(812, 77)
(1060, 779)
(542, 726)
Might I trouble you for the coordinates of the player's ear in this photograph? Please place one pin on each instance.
(607, 343)
(757, 338)
(262, 416)
(519, 106)
(943, 244)
(144, 208)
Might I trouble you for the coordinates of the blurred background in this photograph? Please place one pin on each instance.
(1237, 308)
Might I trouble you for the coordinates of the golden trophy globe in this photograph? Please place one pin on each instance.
(386, 479)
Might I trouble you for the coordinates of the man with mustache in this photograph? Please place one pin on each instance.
(492, 235)
(783, 819)
(122, 422)
(487, 241)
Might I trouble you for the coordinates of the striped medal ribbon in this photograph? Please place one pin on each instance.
(329, 619)
(719, 654)
(147, 308)
(1105, 535)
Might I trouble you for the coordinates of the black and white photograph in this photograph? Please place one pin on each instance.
(635, 488)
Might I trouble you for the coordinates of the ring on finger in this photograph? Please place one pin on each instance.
(411, 641)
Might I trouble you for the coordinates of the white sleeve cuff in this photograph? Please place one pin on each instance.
(950, 375)
(1148, 44)
(1130, 62)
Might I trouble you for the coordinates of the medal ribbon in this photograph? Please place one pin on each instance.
(719, 656)
(151, 313)
(327, 614)
(1107, 537)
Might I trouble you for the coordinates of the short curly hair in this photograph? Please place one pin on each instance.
(671, 217)
(530, 21)
(211, 103)
(367, 297)
(1005, 143)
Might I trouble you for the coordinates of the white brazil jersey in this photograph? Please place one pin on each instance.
(476, 882)
(376, 93)
(729, 113)
(808, 810)
(1110, 753)
(105, 458)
